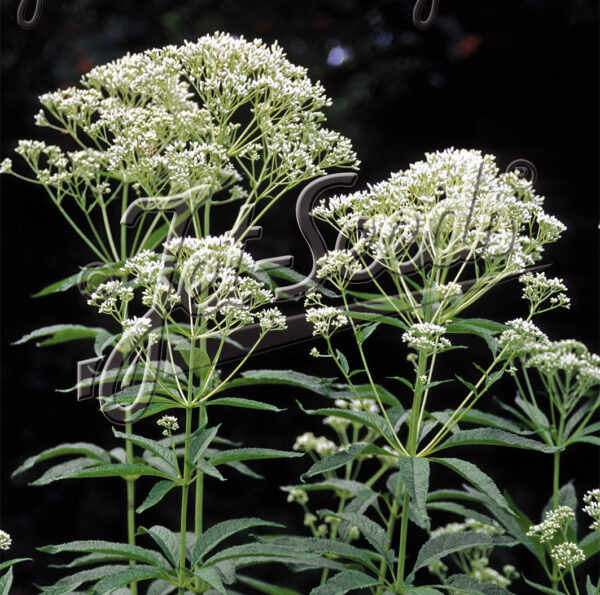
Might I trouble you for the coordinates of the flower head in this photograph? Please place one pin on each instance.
(5, 540)
(592, 501)
(169, 422)
(426, 336)
(567, 554)
(553, 519)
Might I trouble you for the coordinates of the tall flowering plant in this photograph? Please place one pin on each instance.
(171, 137)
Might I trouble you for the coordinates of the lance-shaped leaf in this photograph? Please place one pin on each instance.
(156, 494)
(83, 448)
(210, 575)
(69, 583)
(60, 333)
(251, 454)
(200, 441)
(494, 437)
(65, 470)
(341, 458)
(120, 550)
(244, 404)
(477, 478)
(113, 470)
(371, 531)
(320, 386)
(265, 552)
(344, 582)
(342, 487)
(6, 581)
(415, 476)
(463, 583)
(151, 446)
(221, 531)
(125, 577)
(438, 547)
(486, 329)
(166, 540)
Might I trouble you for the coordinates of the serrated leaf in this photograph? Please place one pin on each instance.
(9, 563)
(125, 577)
(211, 577)
(320, 386)
(244, 404)
(86, 448)
(438, 547)
(251, 454)
(200, 440)
(151, 446)
(541, 588)
(343, 361)
(341, 458)
(112, 470)
(340, 486)
(590, 544)
(166, 540)
(369, 529)
(481, 418)
(64, 470)
(494, 437)
(486, 329)
(415, 477)
(69, 583)
(221, 531)
(262, 551)
(6, 581)
(477, 478)
(60, 333)
(345, 581)
(156, 494)
(122, 550)
(208, 469)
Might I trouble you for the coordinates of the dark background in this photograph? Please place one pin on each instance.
(516, 78)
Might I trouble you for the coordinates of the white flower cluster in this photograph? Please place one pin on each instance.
(571, 359)
(537, 289)
(455, 201)
(111, 297)
(553, 519)
(592, 501)
(297, 495)
(467, 525)
(338, 266)
(369, 405)
(309, 442)
(174, 118)
(5, 540)
(134, 330)
(326, 320)
(567, 554)
(169, 422)
(523, 336)
(426, 337)
(447, 291)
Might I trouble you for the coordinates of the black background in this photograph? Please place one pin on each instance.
(516, 78)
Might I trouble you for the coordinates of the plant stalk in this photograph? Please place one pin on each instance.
(130, 502)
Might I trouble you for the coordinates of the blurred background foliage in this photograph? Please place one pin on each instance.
(517, 78)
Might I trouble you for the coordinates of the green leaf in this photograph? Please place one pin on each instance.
(327, 546)
(343, 361)
(494, 437)
(460, 510)
(477, 478)
(345, 581)
(211, 577)
(64, 470)
(468, 584)
(84, 448)
(342, 487)
(122, 550)
(341, 458)
(157, 493)
(265, 587)
(151, 446)
(9, 563)
(113, 470)
(244, 404)
(208, 469)
(166, 540)
(541, 588)
(320, 386)
(263, 551)
(589, 586)
(373, 317)
(366, 331)
(221, 531)
(481, 418)
(566, 497)
(590, 544)
(200, 441)
(415, 477)
(481, 327)
(438, 547)
(6, 581)
(60, 333)
(370, 530)
(69, 583)
(125, 577)
(251, 454)
(81, 276)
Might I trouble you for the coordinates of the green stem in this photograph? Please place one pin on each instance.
(199, 483)
(390, 531)
(402, 547)
(556, 482)
(185, 488)
(130, 503)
